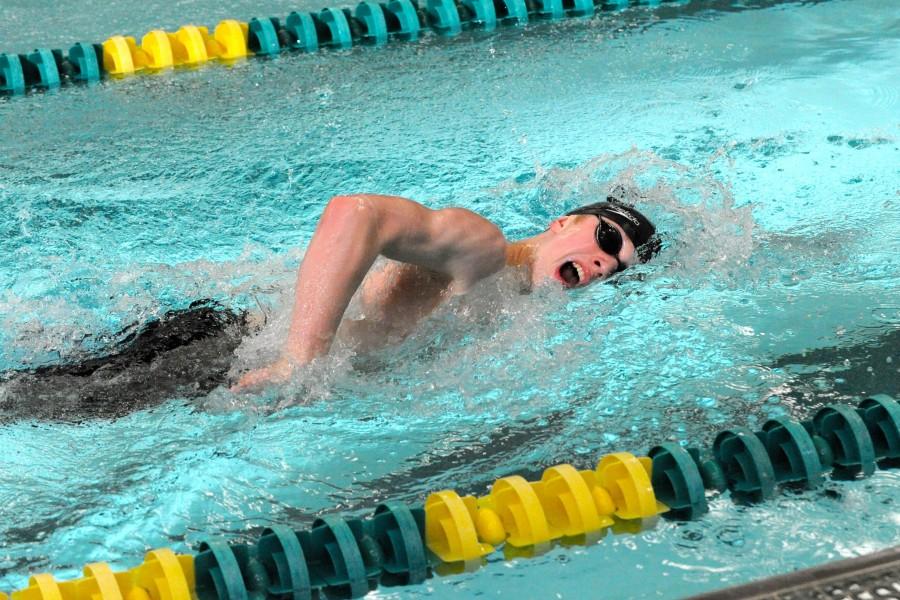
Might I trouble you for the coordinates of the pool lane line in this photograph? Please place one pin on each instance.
(399, 545)
(369, 23)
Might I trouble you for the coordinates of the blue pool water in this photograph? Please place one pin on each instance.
(764, 140)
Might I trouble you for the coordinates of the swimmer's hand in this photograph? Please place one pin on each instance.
(278, 372)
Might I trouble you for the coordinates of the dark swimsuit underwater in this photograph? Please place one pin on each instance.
(186, 353)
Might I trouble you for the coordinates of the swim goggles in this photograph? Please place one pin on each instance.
(609, 239)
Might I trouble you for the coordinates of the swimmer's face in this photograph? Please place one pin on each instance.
(569, 255)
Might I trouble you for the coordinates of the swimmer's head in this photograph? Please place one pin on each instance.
(592, 243)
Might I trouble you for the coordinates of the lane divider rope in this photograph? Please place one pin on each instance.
(369, 23)
(401, 545)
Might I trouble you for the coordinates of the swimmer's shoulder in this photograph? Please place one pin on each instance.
(475, 246)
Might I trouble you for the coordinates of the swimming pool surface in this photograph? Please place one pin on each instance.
(763, 138)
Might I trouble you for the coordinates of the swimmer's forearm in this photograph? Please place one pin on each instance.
(343, 247)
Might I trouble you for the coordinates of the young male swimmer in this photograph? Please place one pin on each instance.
(436, 254)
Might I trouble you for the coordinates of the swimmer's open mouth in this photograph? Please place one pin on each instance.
(570, 273)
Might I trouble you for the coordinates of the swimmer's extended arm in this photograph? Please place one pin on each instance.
(352, 232)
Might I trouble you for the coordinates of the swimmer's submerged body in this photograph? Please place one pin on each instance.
(185, 353)
(432, 255)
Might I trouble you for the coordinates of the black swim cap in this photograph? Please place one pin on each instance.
(638, 227)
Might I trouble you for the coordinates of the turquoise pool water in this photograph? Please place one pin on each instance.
(763, 138)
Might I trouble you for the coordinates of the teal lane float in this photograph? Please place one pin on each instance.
(369, 23)
(399, 545)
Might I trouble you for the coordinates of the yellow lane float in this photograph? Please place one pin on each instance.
(450, 527)
(162, 576)
(157, 50)
(191, 45)
(569, 503)
(119, 55)
(232, 35)
(627, 479)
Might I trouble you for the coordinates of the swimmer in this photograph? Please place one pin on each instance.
(434, 255)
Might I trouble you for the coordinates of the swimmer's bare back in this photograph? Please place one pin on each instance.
(436, 254)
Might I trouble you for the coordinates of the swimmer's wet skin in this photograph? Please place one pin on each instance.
(447, 252)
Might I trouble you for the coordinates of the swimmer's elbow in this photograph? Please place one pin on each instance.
(355, 213)
(353, 205)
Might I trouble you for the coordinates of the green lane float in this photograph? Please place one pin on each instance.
(579, 8)
(369, 23)
(84, 62)
(402, 20)
(513, 12)
(400, 545)
(371, 16)
(882, 418)
(748, 468)
(222, 571)
(263, 37)
(341, 557)
(41, 68)
(795, 456)
(286, 572)
(676, 480)
(550, 9)
(847, 435)
(12, 77)
(443, 17)
(480, 13)
(398, 531)
(301, 32)
(334, 29)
